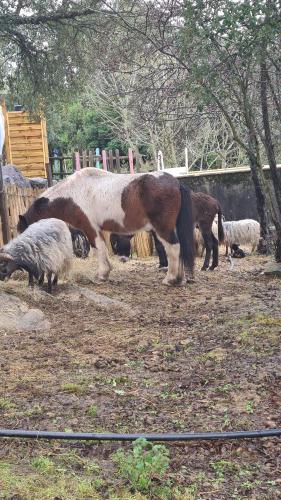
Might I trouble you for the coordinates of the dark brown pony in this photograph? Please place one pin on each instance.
(205, 209)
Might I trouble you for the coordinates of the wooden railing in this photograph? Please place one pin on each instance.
(110, 160)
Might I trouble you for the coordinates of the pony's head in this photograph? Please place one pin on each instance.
(38, 210)
(121, 245)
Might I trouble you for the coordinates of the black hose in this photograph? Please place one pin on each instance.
(188, 436)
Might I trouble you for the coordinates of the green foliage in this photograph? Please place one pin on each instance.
(77, 127)
(142, 465)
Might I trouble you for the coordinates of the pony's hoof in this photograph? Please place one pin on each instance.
(190, 280)
(174, 282)
(124, 259)
(203, 268)
(212, 268)
(101, 279)
(163, 269)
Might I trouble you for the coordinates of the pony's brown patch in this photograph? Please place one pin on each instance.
(150, 199)
(60, 208)
(205, 208)
(112, 226)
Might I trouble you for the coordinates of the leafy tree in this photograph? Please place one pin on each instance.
(221, 47)
(76, 127)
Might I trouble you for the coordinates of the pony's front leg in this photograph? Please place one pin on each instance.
(175, 274)
(104, 266)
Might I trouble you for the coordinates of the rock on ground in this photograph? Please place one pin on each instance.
(16, 315)
(75, 292)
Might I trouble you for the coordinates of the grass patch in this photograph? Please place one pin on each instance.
(6, 404)
(73, 388)
(92, 411)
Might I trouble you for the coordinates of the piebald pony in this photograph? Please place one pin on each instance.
(94, 200)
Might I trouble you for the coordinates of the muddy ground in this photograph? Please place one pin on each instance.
(205, 357)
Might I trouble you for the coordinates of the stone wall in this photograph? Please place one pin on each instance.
(234, 190)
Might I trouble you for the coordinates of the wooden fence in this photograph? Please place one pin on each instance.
(19, 199)
(110, 160)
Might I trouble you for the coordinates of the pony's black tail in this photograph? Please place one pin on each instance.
(220, 226)
(185, 230)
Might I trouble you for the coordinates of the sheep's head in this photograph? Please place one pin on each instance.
(80, 243)
(7, 266)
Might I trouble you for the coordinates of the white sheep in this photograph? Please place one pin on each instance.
(241, 232)
(44, 247)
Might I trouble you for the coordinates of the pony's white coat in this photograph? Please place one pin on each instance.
(100, 200)
(45, 245)
(242, 232)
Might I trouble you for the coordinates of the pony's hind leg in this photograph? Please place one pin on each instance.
(175, 274)
(163, 262)
(209, 245)
(215, 261)
(104, 266)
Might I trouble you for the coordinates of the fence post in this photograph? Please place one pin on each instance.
(137, 165)
(49, 174)
(84, 159)
(91, 159)
(110, 155)
(131, 160)
(61, 168)
(160, 162)
(4, 209)
(97, 154)
(104, 161)
(186, 159)
(117, 156)
(77, 161)
(73, 162)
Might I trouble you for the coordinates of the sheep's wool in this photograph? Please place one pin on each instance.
(45, 246)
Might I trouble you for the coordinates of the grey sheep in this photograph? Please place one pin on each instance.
(44, 247)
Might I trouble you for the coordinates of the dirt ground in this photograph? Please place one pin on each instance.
(205, 357)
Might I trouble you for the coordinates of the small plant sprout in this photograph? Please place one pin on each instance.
(142, 465)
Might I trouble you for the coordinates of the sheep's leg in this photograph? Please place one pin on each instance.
(215, 262)
(49, 286)
(104, 266)
(253, 247)
(55, 280)
(209, 245)
(30, 280)
(226, 249)
(41, 279)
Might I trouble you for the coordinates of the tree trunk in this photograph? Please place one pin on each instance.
(260, 198)
(269, 147)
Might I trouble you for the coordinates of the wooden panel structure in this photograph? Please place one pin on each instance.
(26, 144)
